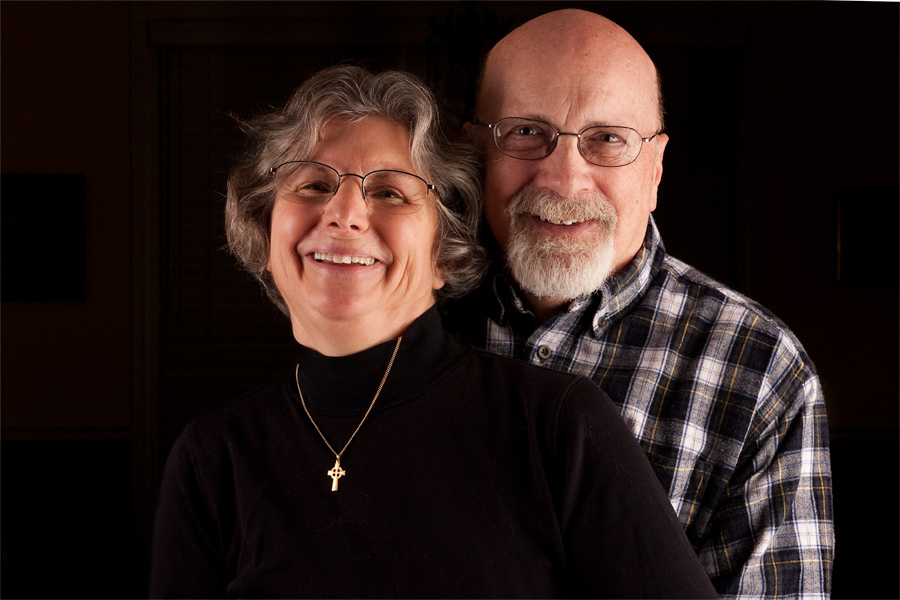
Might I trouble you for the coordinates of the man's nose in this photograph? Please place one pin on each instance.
(565, 170)
(348, 209)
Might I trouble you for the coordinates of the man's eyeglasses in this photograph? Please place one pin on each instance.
(601, 145)
(387, 191)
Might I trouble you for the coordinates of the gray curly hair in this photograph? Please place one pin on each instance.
(351, 92)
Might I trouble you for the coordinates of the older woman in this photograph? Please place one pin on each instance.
(393, 462)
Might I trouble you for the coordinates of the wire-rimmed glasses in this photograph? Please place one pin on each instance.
(533, 139)
(314, 184)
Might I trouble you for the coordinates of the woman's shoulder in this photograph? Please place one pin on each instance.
(531, 381)
(505, 364)
(248, 415)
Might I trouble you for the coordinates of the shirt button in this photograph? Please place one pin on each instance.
(543, 352)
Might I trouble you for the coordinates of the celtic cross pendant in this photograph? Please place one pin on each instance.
(336, 473)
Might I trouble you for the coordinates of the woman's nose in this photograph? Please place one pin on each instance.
(348, 209)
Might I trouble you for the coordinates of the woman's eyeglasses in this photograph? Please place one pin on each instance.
(314, 184)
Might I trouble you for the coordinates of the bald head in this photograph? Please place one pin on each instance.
(568, 51)
(576, 72)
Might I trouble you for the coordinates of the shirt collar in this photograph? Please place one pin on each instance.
(629, 284)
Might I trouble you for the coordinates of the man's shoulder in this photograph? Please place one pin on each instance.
(723, 329)
(679, 290)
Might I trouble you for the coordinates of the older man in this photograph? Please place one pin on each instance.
(720, 394)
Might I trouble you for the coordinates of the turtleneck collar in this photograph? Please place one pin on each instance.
(347, 384)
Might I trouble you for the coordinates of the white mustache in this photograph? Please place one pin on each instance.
(551, 206)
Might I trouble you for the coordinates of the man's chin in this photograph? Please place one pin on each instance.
(566, 253)
(559, 274)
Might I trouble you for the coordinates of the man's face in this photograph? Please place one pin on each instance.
(563, 202)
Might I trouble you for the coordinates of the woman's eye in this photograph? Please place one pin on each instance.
(390, 195)
(314, 187)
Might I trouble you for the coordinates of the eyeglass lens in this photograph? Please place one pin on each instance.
(312, 183)
(531, 140)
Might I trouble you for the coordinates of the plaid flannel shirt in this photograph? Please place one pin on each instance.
(720, 394)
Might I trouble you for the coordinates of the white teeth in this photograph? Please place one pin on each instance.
(570, 222)
(343, 259)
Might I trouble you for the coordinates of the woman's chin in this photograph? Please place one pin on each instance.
(359, 315)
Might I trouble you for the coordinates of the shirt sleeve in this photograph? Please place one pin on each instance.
(186, 560)
(773, 534)
(621, 536)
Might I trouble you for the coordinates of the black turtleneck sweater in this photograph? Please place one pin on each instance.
(473, 476)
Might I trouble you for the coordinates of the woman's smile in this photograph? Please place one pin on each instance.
(343, 259)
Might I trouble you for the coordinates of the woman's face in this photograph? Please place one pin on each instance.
(347, 261)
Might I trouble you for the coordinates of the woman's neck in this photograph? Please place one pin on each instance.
(347, 384)
(345, 337)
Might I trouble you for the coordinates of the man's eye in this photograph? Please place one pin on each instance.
(525, 130)
(607, 138)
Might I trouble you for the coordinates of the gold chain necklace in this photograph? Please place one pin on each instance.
(337, 472)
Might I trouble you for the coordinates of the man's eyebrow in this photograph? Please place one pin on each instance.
(545, 119)
(539, 117)
(529, 116)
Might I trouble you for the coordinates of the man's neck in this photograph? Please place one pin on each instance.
(544, 307)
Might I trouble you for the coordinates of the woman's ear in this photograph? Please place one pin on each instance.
(438, 280)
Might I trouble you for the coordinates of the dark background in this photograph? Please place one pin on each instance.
(781, 180)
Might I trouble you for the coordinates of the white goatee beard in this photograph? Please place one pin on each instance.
(550, 266)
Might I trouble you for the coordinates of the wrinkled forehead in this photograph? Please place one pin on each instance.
(571, 85)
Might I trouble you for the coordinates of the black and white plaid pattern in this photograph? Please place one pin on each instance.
(722, 397)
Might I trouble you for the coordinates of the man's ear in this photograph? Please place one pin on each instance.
(660, 149)
(468, 128)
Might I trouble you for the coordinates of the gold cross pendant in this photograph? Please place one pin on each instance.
(336, 473)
